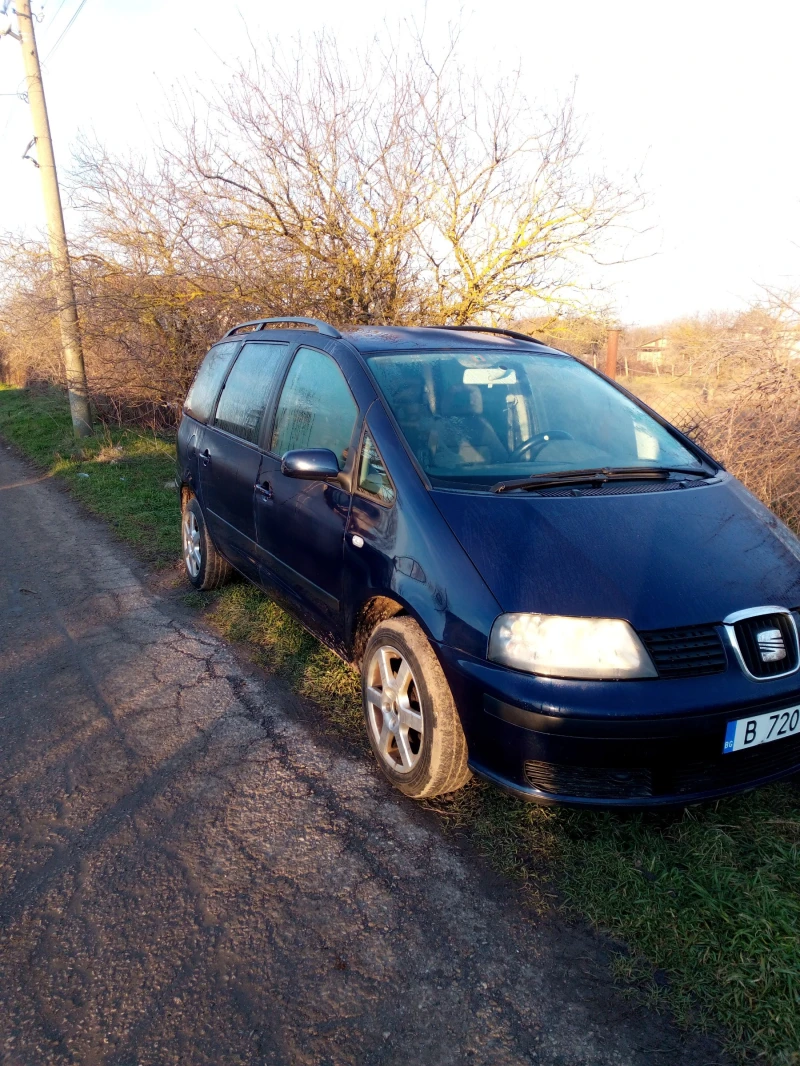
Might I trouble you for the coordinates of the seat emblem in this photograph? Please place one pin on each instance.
(770, 645)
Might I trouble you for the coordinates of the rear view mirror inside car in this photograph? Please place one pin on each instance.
(490, 375)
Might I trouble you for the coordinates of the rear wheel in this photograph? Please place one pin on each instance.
(412, 722)
(205, 567)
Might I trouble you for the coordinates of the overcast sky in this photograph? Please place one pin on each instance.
(701, 98)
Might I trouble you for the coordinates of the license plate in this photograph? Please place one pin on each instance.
(761, 729)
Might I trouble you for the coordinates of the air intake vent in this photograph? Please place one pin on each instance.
(672, 778)
(740, 768)
(624, 488)
(686, 652)
(766, 643)
(590, 782)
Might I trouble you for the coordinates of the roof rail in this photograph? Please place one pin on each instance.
(262, 323)
(492, 329)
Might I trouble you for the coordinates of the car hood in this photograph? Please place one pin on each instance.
(657, 559)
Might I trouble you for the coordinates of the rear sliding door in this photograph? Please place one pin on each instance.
(230, 457)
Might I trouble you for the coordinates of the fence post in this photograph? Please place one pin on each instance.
(611, 354)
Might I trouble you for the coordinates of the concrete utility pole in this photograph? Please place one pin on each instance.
(59, 252)
(611, 354)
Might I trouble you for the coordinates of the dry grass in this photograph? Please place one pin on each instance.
(751, 425)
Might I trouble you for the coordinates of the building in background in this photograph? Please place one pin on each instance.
(653, 352)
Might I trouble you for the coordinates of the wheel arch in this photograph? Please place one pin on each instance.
(186, 493)
(374, 610)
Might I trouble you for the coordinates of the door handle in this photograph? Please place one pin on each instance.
(264, 490)
(205, 457)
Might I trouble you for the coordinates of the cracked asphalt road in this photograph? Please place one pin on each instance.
(191, 873)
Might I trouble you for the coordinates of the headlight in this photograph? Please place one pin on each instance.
(592, 648)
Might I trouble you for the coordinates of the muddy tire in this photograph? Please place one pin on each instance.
(205, 567)
(412, 722)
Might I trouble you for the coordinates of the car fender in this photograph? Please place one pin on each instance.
(407, 552)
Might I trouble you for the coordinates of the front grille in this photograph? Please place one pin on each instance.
(686, 652)
(597, 782)
(775, 631)
(679, 779)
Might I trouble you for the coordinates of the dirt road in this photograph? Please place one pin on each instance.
(192, 872)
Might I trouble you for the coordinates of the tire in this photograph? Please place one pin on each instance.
(414, 730)
(205, 567)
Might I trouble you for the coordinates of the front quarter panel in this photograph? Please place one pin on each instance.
(411, 555)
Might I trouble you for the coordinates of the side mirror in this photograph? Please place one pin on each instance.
(310, 464)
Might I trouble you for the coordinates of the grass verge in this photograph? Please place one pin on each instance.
(119, 475)
(707, 901)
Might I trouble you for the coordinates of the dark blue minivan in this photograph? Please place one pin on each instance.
(540, 580)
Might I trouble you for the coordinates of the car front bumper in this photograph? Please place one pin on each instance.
(651, 743)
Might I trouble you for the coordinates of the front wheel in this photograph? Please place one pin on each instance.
(205, 567)
(412, 722)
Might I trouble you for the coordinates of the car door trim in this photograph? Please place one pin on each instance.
(292, 578)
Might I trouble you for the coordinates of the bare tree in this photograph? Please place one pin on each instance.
(374, 188)
(404, 191)
(323, 163)
(585, 336)
(513, 217)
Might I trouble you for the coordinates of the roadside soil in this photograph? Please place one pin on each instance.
(193, 871)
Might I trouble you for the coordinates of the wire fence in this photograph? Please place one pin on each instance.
(754, 431)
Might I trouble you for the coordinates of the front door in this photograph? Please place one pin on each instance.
(229, 458)
(300, 525)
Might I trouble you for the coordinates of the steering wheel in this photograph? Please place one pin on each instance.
(538, 441)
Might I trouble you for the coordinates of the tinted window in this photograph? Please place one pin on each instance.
(247, 390)
(474, 418)
(200, 400)
(372, 476)
(316, 409)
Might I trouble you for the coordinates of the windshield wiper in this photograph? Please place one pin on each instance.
(597, 476)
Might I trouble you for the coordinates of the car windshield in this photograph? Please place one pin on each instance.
(473, 418)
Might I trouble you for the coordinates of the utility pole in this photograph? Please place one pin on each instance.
(59, 252)
(611, 353)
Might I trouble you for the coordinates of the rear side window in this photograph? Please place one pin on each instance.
(247, 390)
(199, 402)
(316, 408)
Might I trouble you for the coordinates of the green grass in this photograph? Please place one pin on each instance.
(243, 614)
(119, 475)
(708, 902)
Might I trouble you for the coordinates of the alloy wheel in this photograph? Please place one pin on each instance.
(394, 710)
(191, 544)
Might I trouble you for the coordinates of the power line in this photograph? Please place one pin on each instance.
(58, 12)
(65, 31)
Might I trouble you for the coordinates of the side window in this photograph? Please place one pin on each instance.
(199, 401)
(316, 408)
(372, 476)
(247, 390)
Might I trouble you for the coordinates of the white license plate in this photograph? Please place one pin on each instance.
(761, 729)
